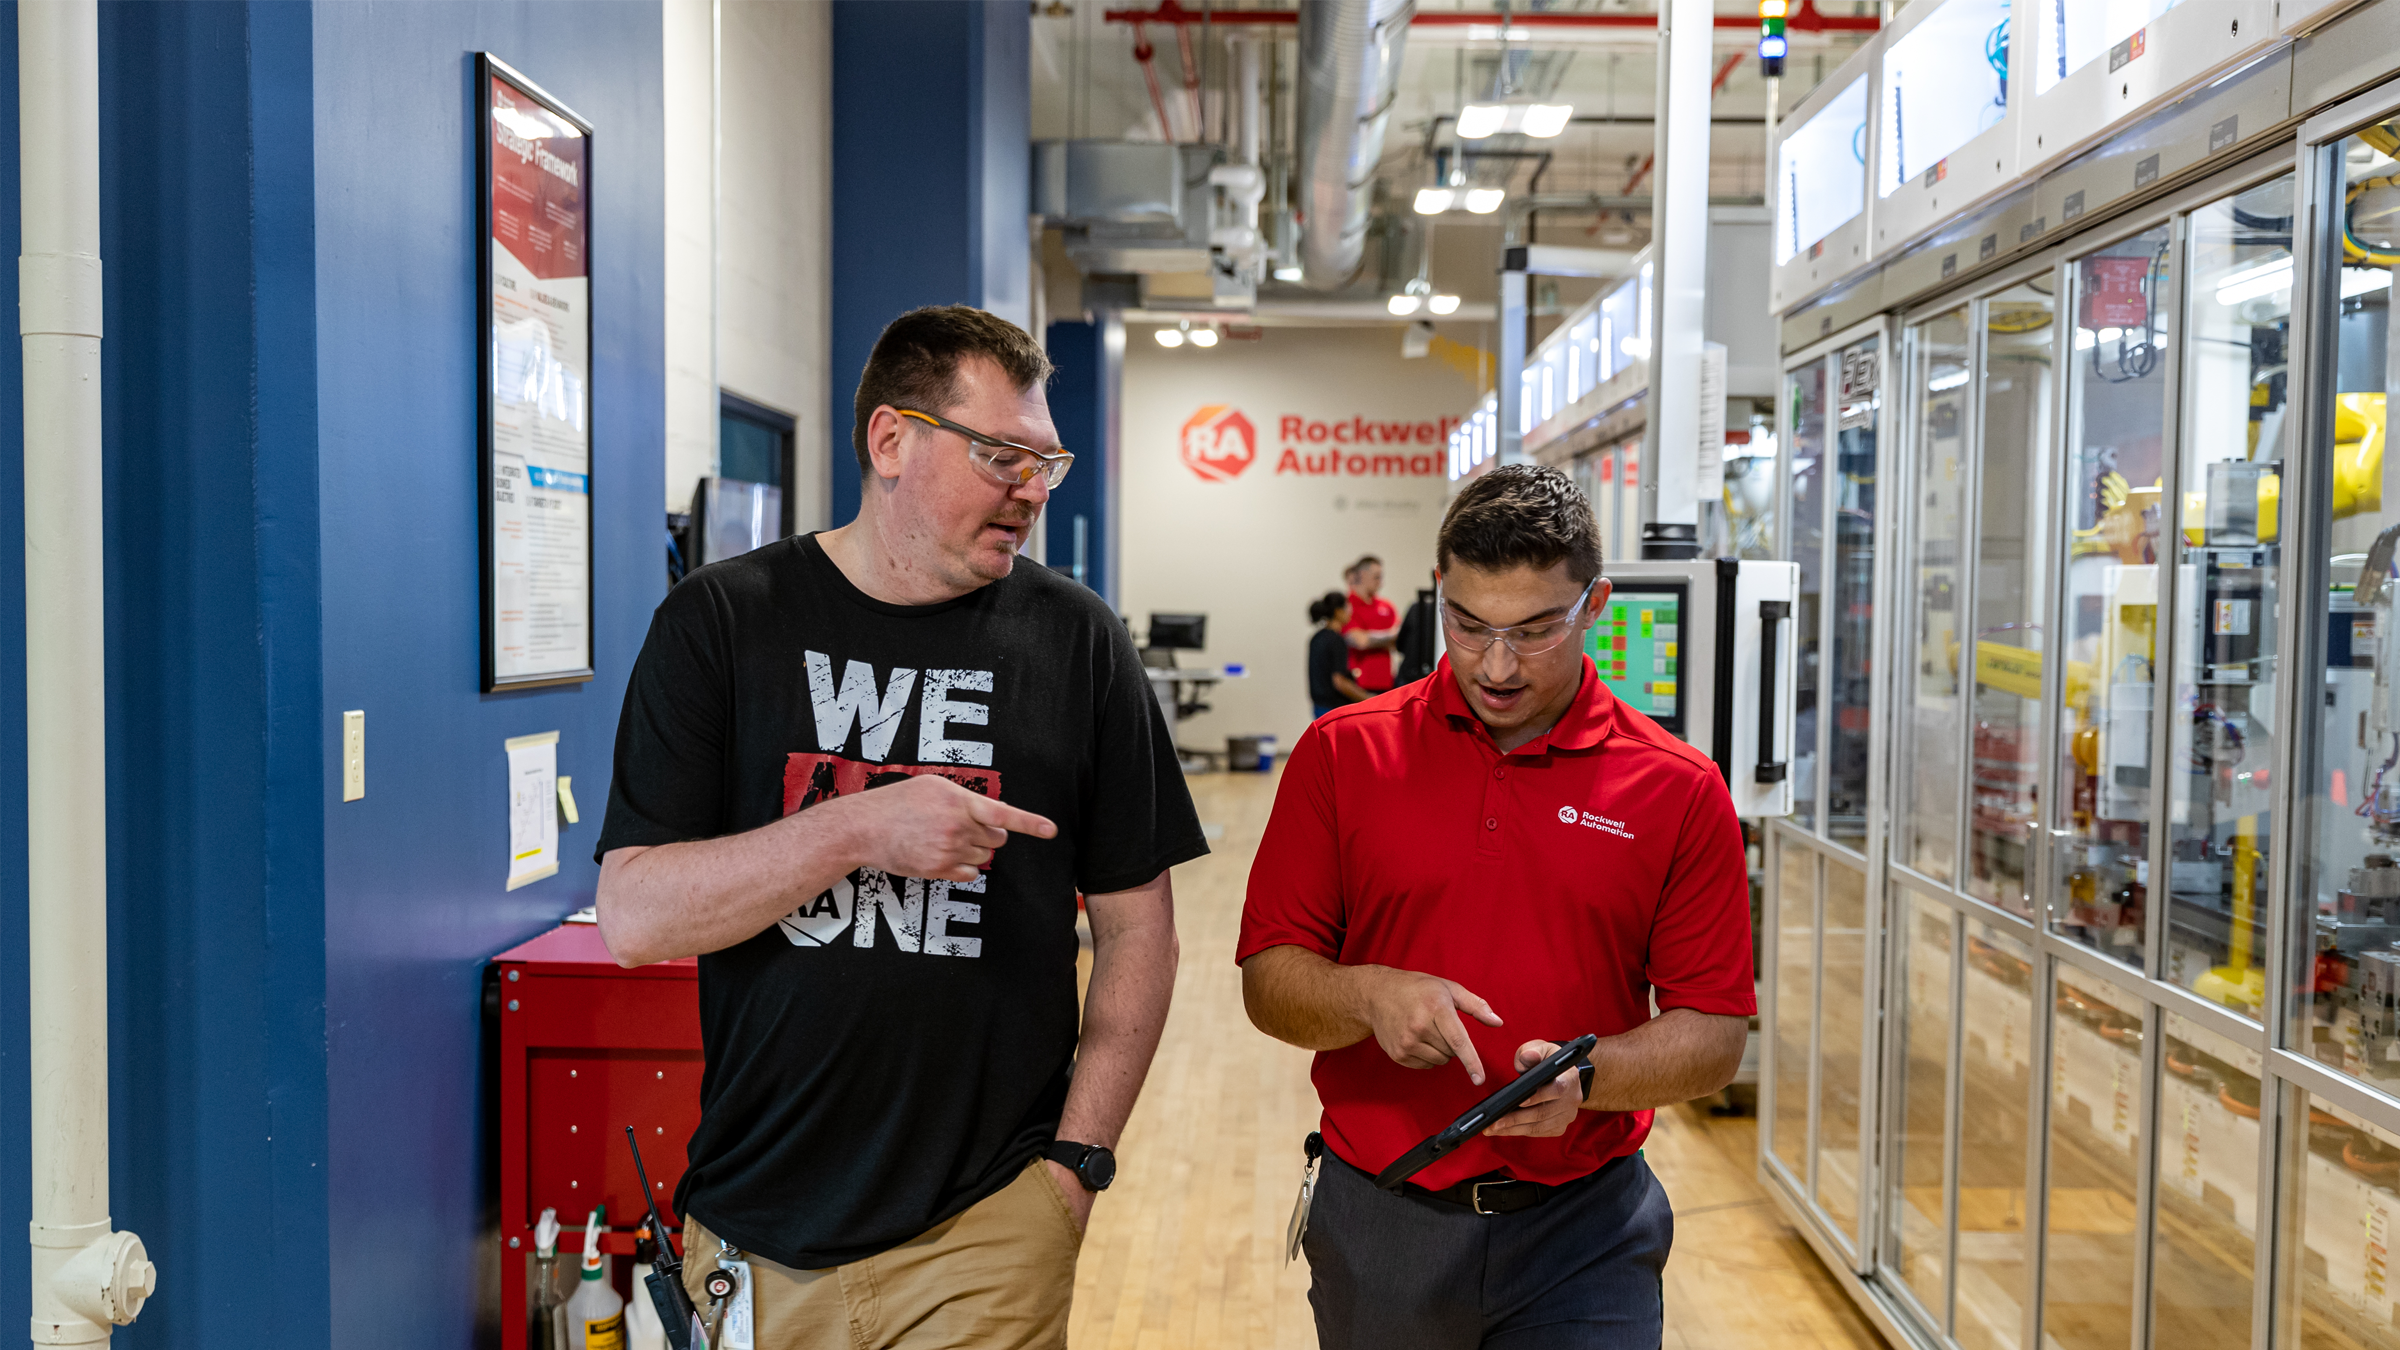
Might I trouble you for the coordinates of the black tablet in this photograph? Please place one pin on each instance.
(1480, 1116)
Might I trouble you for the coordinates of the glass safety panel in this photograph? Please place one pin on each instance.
(2095, 1147)
(2228, 553)
(2013, 514)
(1804, 403)
(2348, 1194)
(1850, 692)
(2109, 610)
(2348, 969)
(1917, 1242)
(1795, 1004)
(1841, 1042)
(2207, 1191)
(1995, 1020)
(1751, 480)
(1930, 729)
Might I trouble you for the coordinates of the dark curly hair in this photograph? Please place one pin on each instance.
(1521, 515)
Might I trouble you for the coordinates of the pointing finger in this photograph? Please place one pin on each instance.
(1009, 818)
(1461, 1045)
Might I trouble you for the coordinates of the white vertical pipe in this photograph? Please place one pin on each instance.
(84, 1277)
(1679, 250)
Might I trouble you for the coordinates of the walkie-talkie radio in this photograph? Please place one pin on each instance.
(675, 1311)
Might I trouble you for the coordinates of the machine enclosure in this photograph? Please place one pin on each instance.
(1730, 686)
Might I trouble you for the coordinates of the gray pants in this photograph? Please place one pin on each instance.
(1406, 1272)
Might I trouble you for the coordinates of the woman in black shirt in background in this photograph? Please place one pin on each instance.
(1329, 682)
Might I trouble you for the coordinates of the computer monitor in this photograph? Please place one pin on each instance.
(1637, 642)
(1179, 632)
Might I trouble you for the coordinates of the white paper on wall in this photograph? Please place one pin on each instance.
(532, 808)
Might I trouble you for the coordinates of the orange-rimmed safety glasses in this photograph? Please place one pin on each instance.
(1003, 461)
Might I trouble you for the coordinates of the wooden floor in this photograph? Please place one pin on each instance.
(1186, 1250)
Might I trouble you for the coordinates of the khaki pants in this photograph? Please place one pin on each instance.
(998, 1277)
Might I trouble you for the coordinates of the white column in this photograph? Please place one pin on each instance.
(1679, 256)
(1509, 410)
(85, 1278)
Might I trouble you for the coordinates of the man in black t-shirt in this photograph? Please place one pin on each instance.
(825, 745)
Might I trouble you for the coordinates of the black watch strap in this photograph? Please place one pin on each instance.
(1585, 1069)
(1076, 1158)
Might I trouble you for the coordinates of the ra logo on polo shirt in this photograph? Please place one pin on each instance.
(1593, 820)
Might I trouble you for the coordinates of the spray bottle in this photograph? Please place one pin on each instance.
(595, 1316)
(549, 1329)
(643, 1330)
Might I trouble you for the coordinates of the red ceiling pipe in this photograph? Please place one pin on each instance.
(1805, 18)
(1191, 80)
(1142, 54)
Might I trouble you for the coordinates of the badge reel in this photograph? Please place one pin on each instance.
(732, 1320)
(1298, 1228)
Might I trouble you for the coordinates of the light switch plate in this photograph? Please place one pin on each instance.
(354, 755)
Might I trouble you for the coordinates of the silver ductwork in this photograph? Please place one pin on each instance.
(1349, 74)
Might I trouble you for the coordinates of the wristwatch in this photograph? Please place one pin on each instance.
(1092, 1164)
(1585, 1070)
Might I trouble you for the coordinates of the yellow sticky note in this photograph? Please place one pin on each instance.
(566, 799)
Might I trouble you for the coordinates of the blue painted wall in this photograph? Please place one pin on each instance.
(1077, 408)
(414, 899)
(931, 113)
(288, 230)
(217, 951)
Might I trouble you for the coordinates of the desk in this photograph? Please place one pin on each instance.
(1176, 686)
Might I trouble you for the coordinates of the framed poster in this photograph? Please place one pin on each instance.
(534, 179)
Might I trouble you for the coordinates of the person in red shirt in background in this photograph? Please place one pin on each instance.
(1469, 871)
(1373, 626)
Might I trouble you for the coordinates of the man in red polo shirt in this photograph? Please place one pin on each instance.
(1373, 626)
(1474, 869)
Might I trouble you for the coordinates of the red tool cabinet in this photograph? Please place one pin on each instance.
(586, 1049)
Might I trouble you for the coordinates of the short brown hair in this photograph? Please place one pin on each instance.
(915, 362)
(1521, 515)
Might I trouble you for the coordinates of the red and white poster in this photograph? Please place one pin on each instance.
(537, 339)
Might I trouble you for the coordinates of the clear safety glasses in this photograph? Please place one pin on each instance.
(1525, 639)
(1003, 461)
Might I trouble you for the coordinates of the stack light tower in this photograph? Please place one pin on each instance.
(1772, 43)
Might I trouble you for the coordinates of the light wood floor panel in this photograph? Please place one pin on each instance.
(1186, 1250)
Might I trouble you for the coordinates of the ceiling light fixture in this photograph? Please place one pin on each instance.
(1403, 305)
(1204, 337)
(1485, 200)
(1432, 201)
(1442, 304)
(1478, 120)
(1539, 120)
(1169, 337)
(1545, 120)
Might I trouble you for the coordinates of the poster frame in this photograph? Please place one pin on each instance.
(488, 68)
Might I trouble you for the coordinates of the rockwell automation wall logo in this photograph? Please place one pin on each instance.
(1218, 443)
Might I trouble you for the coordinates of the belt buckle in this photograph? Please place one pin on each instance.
(1475, 1197)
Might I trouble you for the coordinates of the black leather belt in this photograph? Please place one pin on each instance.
(1492, 1193)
